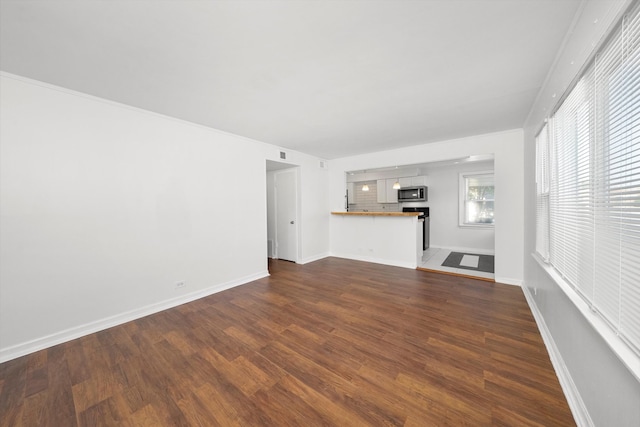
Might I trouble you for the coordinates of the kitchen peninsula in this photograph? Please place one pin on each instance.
(391, 238)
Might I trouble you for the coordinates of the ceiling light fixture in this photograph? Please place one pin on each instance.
(365, 187)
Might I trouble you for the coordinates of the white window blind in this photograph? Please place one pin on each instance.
(571, 211)
(542, 193)
(588, 183)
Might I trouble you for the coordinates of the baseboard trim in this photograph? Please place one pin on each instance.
(392, 263)
(576, 404)
(509, 281)
(449, 273)
(38, 344)
(314, 258)
(466, 250)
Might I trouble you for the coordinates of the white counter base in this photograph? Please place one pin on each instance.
(389, 240)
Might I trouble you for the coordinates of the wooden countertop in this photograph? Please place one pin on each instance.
(377, 213)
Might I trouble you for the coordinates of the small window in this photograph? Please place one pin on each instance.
(476, 199)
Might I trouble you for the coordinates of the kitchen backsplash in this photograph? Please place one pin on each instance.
(368, 200)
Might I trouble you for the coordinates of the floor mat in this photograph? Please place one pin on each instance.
(466, 261)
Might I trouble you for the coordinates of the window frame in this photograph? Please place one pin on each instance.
(593, 172)
(463, 199)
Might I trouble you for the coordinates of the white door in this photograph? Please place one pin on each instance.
(286, 193)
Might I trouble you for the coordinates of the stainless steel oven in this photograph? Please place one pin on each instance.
(424, 214)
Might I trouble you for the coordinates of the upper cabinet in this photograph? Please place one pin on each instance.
(386, 192)
(392, 194)
(405, 182)
(417, 181)
(413, 181)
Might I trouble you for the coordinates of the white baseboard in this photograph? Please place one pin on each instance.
(578, 408)
(374, 260)
(466, 250)
(509, 281)
(314, 258)
(25, 348)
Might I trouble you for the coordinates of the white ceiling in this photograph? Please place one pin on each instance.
(329, 78)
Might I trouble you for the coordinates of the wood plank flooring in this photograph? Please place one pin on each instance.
(333, 343)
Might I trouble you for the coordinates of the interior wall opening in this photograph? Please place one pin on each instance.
(458, 208)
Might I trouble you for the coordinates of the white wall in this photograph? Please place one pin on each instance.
(444, 201)
(105, 207)
(315, 215)
(603, 392)
(271, 212)
(507, 149)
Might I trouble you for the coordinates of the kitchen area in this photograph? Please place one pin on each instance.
(409, 216)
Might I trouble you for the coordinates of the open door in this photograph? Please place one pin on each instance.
(286, 204)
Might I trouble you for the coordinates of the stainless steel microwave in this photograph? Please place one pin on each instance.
(412, 194)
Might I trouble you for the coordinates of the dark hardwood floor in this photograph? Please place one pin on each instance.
(334, 342)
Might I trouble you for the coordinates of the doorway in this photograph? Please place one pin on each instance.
(282, 211)
(453, 230)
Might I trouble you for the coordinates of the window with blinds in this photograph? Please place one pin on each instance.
(588, 183)
(542, 194)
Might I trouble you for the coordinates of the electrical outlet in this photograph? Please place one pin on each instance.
(180, 284)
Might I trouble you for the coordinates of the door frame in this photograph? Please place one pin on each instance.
(272, 215)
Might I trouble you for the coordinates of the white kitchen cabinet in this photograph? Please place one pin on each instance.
(413, 181)
(386, 193)
(417, 181)
(405, 182)
(392, 194)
